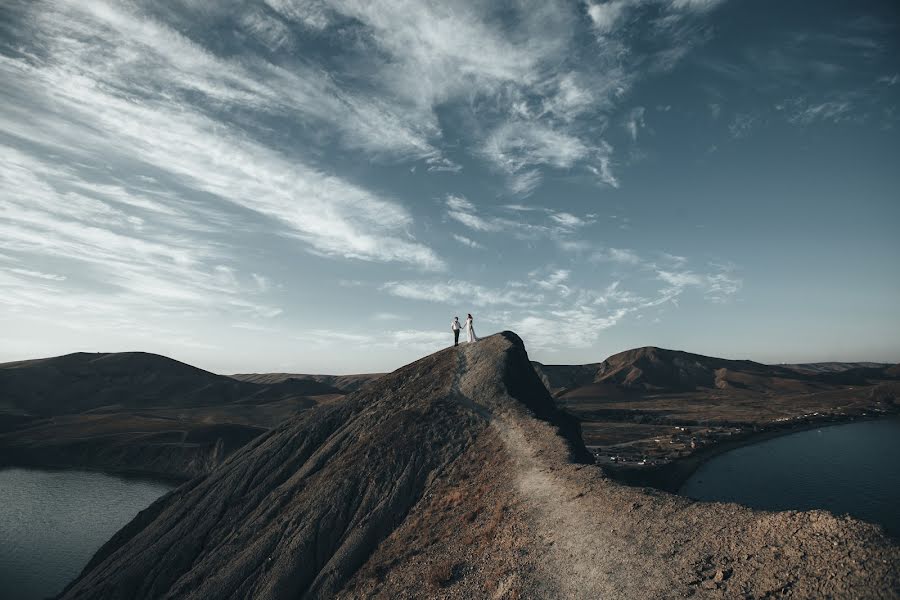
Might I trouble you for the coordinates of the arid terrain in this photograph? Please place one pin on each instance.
(457, 476)
(650, 415)
(143, 413)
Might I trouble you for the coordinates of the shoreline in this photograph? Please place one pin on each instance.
(173, 480)
(672, 475)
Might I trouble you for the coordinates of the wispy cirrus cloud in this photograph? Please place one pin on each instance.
(634, 122)
(617, 255)
(717, 286)
(466, 241)
(416, 341)
(460, 291)
(460, 209)
(801, 112)
(553, 309)
(125, 97)
(530, 222)
(518, 147)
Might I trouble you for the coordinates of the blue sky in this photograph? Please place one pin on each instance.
(317, 186)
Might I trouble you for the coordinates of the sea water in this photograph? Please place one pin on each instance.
(52, 522)
(845, 469)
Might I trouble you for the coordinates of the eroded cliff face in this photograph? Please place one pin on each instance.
(456, 476)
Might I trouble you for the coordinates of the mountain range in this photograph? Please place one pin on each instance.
(147, 413)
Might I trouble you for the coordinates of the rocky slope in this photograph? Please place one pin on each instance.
(457, 477)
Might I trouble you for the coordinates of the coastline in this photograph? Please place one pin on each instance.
(672, 475)
(172, 479)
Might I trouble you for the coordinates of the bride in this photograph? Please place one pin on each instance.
(470, 329)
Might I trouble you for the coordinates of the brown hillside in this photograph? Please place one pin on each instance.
(343, 383)
(457, 477)
(658, 369)
(137, 412)
(84, 381)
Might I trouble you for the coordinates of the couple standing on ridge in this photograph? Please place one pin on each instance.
(470, 330)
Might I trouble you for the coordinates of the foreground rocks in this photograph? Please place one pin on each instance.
(457, 477)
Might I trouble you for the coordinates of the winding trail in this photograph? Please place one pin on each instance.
(584, 557)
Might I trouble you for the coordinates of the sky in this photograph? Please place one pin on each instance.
(320, 186)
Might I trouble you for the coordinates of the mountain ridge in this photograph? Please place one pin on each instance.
(457, 476)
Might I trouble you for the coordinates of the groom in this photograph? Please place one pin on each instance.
(455, 327)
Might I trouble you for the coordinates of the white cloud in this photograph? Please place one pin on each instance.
(38, 274)
(556, 225)
(462, 210)
(800, 112)
(578, 327)
(466, 241)
(568, 220)
(635, 121)
(311, 13)
(388, 316)
(721, 286)
(72, 106)
(743, 124)
(459, 291)
(699, 5)
(680, 279)
(416, 341)
(522, 184)
(566, 315)
(617, 255)
(716, 287)
(518, 147)
(262, 282)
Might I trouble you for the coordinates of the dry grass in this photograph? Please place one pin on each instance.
(442, 573)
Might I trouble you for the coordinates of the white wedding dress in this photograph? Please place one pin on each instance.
(470, 331)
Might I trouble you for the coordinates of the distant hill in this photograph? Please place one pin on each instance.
(659, 369)
(82, 381)
(342, 383)
(652, 369)
(560, 377)
(833, 367)
(135, 411)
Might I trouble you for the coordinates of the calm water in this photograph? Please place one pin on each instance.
(852, 469)
(52, 522)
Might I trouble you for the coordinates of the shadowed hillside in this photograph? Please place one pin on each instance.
(457, 477)
(343, 383)
(135, 411)
(84, 381)
(651, 415)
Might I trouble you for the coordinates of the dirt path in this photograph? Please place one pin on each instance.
(582, 558)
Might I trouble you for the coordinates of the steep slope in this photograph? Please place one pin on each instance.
(457, 477)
